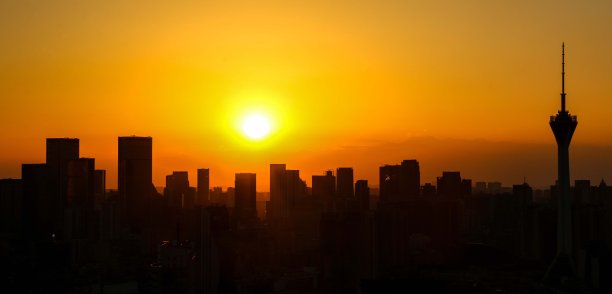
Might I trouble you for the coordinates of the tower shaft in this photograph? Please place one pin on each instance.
(564, 215)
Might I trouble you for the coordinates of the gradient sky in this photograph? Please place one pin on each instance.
(336, 77)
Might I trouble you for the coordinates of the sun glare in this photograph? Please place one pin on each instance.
(256, 126)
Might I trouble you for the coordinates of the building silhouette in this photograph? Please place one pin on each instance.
(203, 186)
(324, 190)
(451, 185)
(80, 222)
(563, 126)
(344, 184)
(177, 191)
(59, 151)
(327, 239)
(362, 194)
(81, 183)
(278, 207)
(245, 209)
(135, 179)
(296, 190)
(287, 190)
(399, 182)
(100, 185)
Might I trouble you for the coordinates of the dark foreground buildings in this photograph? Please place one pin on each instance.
(341, 236)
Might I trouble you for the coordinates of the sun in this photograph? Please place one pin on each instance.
(256, 126)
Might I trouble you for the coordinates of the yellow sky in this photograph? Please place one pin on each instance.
(330, 74)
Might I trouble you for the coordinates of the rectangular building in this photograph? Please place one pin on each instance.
(344, 184)
(245, 208)
(59, 151)
(400, 182)
(135, 173)
(203, 186)
(278, 192)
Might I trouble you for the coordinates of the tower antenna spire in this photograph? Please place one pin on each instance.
(563, 77)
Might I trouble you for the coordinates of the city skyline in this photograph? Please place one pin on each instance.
(305, 147)
(539, 160)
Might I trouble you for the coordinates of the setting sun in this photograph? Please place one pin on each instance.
(256, 126)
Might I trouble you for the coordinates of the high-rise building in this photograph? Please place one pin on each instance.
(466, 187)
(79, 220)
(189, 200)
(449, 184)
(59, 151)
(203, 186)
(362, 193)
(324, 189)
(344, 184)
(135, 171)
(295, 190)
(411, 178)
(563, 126)
(81, 183)
(245, 207)
(278, 192)
(400, 182)
(39, 220)
(177, 189)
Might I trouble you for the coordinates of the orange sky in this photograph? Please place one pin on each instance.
(334, 76)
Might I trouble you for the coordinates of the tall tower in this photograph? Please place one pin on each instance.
(563, 126)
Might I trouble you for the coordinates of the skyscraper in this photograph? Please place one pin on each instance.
(203, 186)
(81, 183)
(245, 206)
(362, 193)
(79, 220)
(324, 189)
(563, 126)
(344, 185)
(400, 182)
(449, 184)
(295, 190)
(135, 179)
(177, 189)
(278, 191)
(59, 151)
(100, 185)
